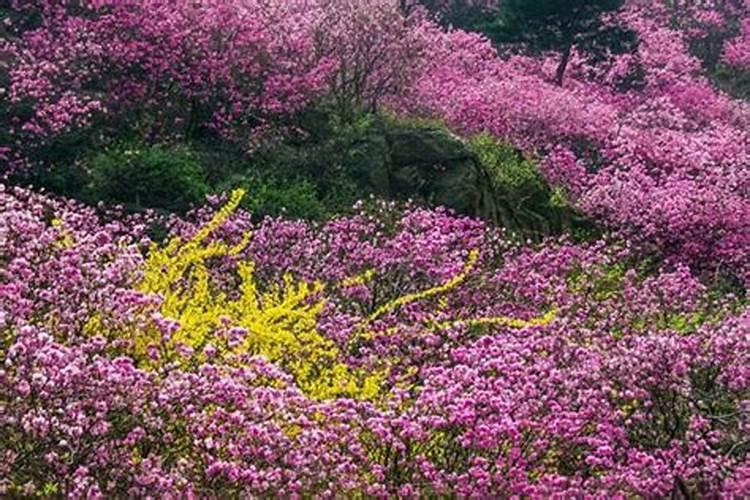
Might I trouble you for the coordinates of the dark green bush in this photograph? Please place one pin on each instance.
(270, 196)
(508, 169)
(328, 169)
(733, 81)
(139, 176)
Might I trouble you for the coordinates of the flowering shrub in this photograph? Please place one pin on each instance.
(644, 143)
(172, 71)
(737, 50)
(400, 352)
(384, 353)
(117, 63)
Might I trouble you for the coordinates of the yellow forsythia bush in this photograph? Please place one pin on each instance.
(279, 323)
(194, 321)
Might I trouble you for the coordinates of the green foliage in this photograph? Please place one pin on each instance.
(315, 175)
(734, 81)
(302, 176)
(517, 197)
(560, 25)
(57, 166)
(548, 25)
(139, 176)
(602, 283)
(272, 196)
(461, 14)
(14, 20)
(323, 173)
(507, 168)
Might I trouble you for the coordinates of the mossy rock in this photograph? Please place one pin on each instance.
(434, 164)
(426, 146)
(368, 160)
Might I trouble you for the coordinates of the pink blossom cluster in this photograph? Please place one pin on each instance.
(40, 269)
(664, 160)
(643, 142)
(243, 63)
(241, 68)
(638, 386)
(737, 50)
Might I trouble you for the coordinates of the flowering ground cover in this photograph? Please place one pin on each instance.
(381, 353)
(398, 349)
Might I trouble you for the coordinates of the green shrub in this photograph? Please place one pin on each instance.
(139, 176)
(734, 81)
(313, 176)
(508, 169)
(517, 197)
(272, 196)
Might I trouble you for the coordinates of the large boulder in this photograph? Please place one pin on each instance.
(396, 159)
(432, 163)
(368, 160)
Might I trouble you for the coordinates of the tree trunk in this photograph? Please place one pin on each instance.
(560, 73)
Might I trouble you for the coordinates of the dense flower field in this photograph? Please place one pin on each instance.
(382, 353)
(396, 351)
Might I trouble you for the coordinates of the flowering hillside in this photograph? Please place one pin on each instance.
(392, 348)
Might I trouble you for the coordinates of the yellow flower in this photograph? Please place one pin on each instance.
(277, 321)
(280, 321)
(66, 240)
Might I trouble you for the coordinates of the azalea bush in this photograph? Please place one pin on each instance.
(391, 352)
(235, 70)
(641, 141)
(396, 349)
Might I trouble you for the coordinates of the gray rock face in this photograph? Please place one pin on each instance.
(402, 161)
(425, 145)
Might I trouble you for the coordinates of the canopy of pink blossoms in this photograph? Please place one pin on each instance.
(667, 163)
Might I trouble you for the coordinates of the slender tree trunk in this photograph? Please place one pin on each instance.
(560, 73)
